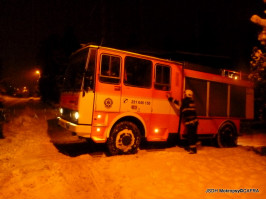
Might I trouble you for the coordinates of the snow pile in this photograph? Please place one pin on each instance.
(38, 159)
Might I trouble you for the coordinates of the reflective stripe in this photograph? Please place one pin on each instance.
(191, 122)
(189, 118)
(188, 109)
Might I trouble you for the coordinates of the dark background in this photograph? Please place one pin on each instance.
(217, 33)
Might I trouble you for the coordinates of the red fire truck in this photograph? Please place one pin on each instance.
(119, 98)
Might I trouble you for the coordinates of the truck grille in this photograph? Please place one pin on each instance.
(67, 115)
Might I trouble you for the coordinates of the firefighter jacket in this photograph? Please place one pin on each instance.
(188, 111)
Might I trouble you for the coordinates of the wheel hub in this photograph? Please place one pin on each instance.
(125, 140)
(227, 137)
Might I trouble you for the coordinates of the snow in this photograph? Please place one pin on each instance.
(38, 159)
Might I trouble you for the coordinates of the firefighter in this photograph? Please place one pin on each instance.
(189, 118)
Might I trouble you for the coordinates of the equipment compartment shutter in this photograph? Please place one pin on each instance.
(237, 101)
(218, 99)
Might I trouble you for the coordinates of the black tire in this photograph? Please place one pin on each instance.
(124, 139)
(227, 136)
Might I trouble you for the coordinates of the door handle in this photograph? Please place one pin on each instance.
(117, 88)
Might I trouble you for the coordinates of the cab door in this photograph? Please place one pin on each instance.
(108, 82)
(137, 88)
(165, 115)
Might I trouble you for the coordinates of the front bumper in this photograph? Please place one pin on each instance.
(80, 130)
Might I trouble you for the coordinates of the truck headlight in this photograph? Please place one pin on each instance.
(61, 110)
(76, 115)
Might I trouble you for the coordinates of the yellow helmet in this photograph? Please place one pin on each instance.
(188, 93)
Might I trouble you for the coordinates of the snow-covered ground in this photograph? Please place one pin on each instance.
(40, 160)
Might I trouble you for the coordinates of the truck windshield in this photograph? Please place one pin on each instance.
(75, 72)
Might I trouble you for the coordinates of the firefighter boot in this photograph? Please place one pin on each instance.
(187, 148)
(192, 150)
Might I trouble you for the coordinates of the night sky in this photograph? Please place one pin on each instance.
(210, 28)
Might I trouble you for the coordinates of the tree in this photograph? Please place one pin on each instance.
(258, 76)
(258, 66)
(258, 70)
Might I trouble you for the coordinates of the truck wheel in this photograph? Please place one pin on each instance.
(124, 138)
(227, 136)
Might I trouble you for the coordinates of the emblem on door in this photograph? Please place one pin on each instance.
(108, 103)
